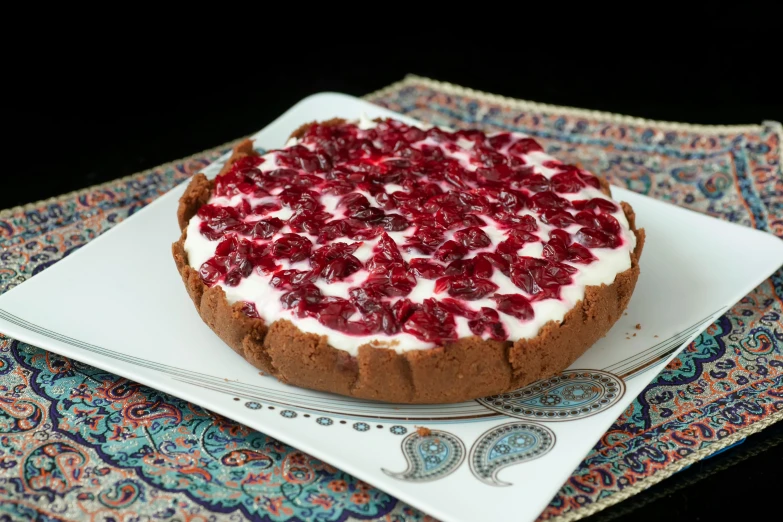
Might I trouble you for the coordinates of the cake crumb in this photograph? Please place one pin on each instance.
(423, 432)
(634, 335)
(627, 338)
(655, 336)
(638, 326)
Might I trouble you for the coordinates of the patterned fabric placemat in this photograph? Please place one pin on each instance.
(63, 423)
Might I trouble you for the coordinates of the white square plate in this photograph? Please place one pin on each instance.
(119, 304)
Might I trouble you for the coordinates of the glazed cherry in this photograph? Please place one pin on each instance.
(516, 240)
(216, 221)
(302, 298)
(601, 204)
(595, 238)
(426, 268)
(548, 200)
(488, 321)
(557, 217)
(211, 271)
(472, 238)
(395, 280)
(515, 305)
(249, 309)
(560, 248)
(425, 240)
(306, 221)
(292, 246)
(497, 260)
(541, 278)
(499, 141)
(266, 228)
(430, 327)
(336, 261)
(450, 251)
(567, 182)
(525, 146)
(469, 288)
(289, 279)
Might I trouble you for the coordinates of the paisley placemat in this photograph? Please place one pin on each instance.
(63, 423)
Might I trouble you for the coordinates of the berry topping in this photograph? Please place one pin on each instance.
(349, 226)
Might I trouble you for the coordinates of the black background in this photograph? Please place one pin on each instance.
(91, 111)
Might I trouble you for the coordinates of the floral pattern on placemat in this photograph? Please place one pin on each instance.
(77, 442)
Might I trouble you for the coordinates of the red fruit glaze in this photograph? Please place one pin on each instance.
(299, 216)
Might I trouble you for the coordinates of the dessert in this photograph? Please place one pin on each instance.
(386, 261)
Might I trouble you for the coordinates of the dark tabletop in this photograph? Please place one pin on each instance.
(105, 119)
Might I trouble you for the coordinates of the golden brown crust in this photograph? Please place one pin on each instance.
(466, 369)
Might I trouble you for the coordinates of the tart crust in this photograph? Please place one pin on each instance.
(458, 371)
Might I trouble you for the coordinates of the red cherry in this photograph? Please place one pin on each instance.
(291, 246)
(472, 238)
(426, 269)
(515, 305)
(567, 182)
(525, 146)
(356, 165)
(557, 217)
(211, 271)
(596, 203)
(249, 309)
(488, 320)
(429, 328)
(548, 200)
(449, 251)
(500, 140)
(288, 279)
(595, 238)
(471, 288)
(266, 228)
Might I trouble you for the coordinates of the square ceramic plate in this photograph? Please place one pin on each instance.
(119, 304)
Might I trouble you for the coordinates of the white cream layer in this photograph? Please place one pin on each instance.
(256, 288)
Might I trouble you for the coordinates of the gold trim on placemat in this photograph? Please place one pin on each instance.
(457, 90)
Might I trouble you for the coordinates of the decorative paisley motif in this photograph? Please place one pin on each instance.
(759, 341)
(572, 394)
(507, 445)
(118, 390)
(242, 457)
(714, 186)
(54, 469)
(146, 412)
(120, 495)
(430, 457)
(17, 415)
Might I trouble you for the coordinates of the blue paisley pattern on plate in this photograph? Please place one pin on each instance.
(508, 445)
(573, 394)
(727, 380)
(430, 457)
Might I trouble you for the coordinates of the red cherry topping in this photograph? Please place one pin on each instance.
(299, 218)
